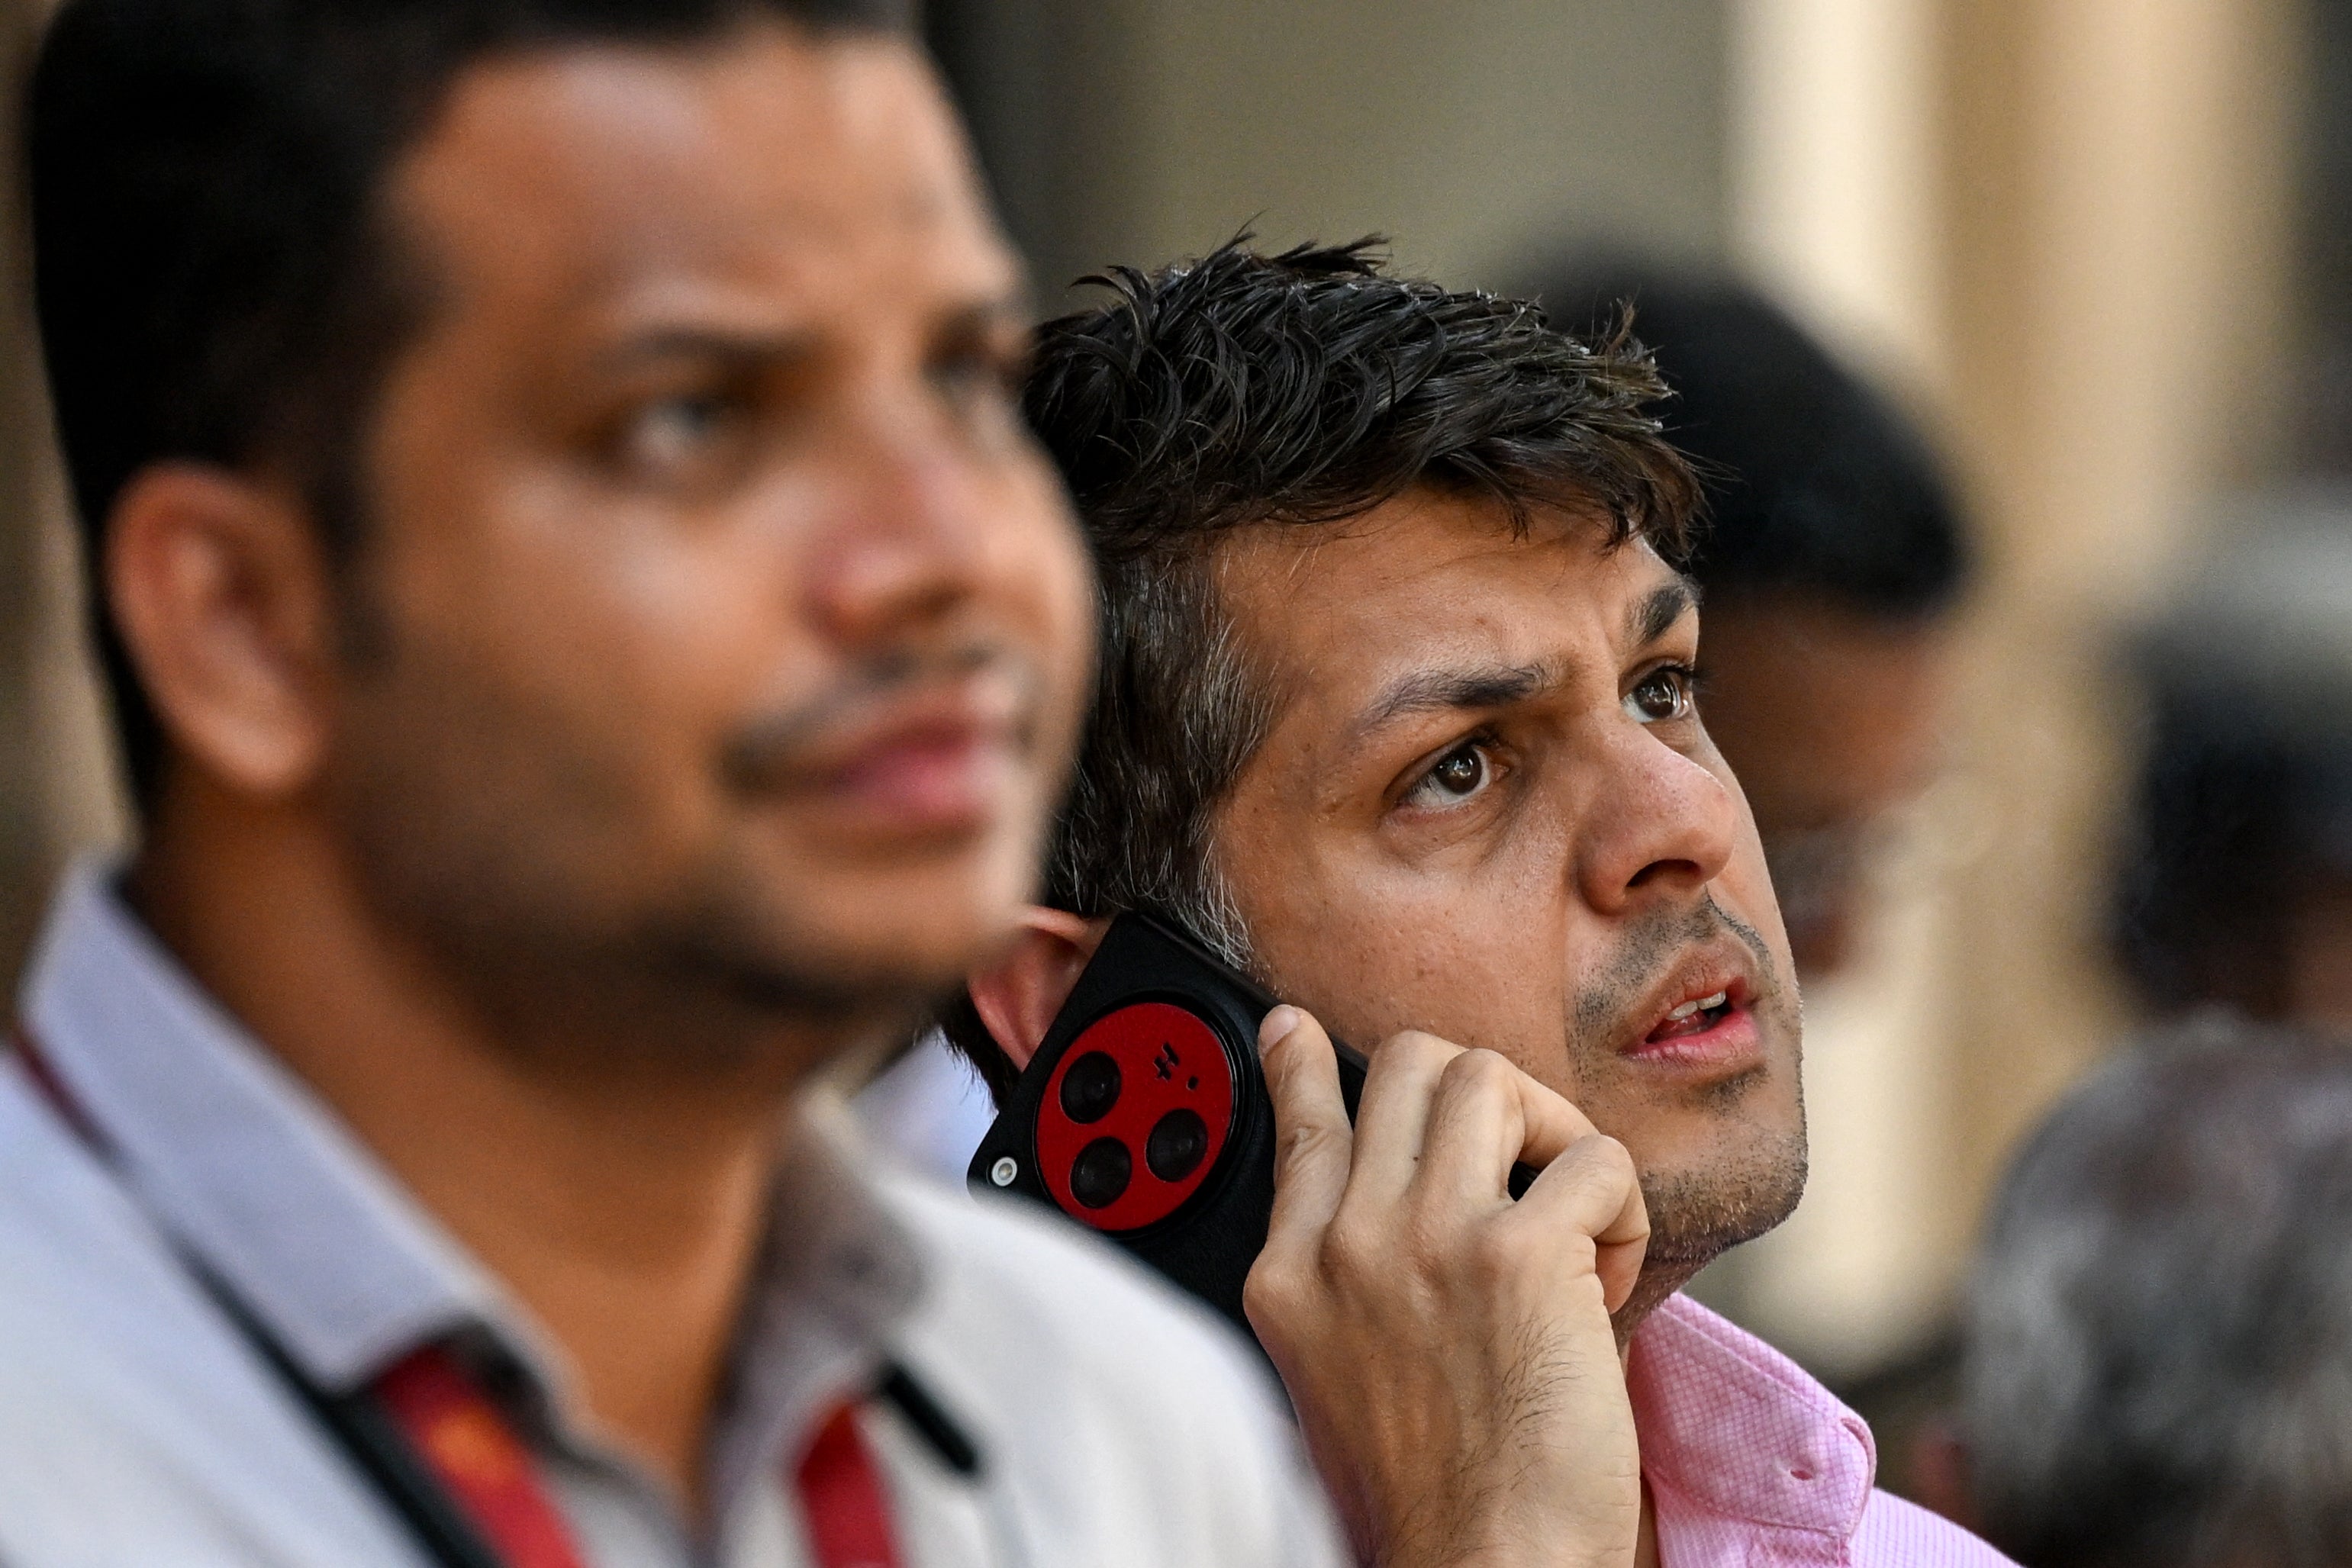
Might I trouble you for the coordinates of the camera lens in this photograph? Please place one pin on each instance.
(1177, 1143)
(1090, 1088)
(1100, 1173)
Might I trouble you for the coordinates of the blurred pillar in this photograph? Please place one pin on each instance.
(2068, 224)
(1837, 134)
(1833, 150)
(2118, 189)
(57, 781)
(20, 745)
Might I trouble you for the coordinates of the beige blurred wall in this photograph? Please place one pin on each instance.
(2120, 192)
(2066, 226)
(56, 787)
(1140, 131)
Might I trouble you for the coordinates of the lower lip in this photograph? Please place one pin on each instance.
(1731, 1044)
(926, 783)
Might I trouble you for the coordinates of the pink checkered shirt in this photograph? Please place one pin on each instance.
(1752, 1464)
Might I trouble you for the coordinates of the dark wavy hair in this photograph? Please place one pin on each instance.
(1300, 389)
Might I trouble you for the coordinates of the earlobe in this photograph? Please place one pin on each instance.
(1018, 996)
(216, 585)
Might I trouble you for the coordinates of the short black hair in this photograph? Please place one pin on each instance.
(214, 277)
(2242, 807)
(1818, 484)
(1301, 389)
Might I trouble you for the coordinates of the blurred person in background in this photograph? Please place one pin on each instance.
(2235, 878)
(1832, 556)
(2158, 1357)
(1396, 711)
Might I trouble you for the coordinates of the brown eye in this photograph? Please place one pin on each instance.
(1455, 777)
(669, 436)
(1662, 695)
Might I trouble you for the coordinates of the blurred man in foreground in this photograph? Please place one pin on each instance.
(1396, 709)
(1833, 554)
(595, 647)
(2160, 1334)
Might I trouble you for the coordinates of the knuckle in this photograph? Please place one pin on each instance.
(1270, 1293)
(1481, 1071)
(1613, 1159)
(1350, 1249)
(1302, 1141)
(1414, 1046)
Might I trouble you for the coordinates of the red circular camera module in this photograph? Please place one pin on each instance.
(1136, 1113)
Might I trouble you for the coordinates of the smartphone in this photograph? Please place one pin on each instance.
(1144, 1114)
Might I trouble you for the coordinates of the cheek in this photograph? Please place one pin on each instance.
(640, 642)
(1470, 950)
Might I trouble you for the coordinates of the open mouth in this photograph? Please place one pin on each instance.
(1696, 1015)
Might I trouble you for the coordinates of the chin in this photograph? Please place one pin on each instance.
(1699, 1212)
(851, 942)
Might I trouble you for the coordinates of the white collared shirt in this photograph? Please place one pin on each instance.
(1120, 1427)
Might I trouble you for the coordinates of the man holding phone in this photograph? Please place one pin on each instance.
(1397, 711)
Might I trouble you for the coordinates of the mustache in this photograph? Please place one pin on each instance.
(774, 752)
(1602, 1007)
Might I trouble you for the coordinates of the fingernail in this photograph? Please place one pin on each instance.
(1278, 1027)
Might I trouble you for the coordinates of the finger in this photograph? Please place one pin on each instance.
(1485, 1116)
(1313, 1145)
(1393, 1115)
(1590, 1188)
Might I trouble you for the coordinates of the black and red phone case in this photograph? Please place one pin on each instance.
(1144, 1113)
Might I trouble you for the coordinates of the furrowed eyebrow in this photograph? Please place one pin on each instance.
(739, 351)
(1656, 615)
(990, 319)
(1450, 691)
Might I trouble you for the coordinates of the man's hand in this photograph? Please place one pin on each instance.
(1449, 1351)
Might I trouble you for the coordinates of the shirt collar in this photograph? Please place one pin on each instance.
(1740, 1430)
(255, 1177)
(234, 1156)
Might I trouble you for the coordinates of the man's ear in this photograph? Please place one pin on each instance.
(1018, 996)
(219, 587)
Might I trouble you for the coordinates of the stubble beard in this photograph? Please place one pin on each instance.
(1756, 1172)
(494, 841)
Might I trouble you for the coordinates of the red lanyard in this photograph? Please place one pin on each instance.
(460, 1433)
(485, 1471)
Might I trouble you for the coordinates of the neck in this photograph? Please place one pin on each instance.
(619, 1193)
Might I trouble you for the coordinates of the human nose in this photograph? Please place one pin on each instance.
(913, 534)
(1661, 827)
